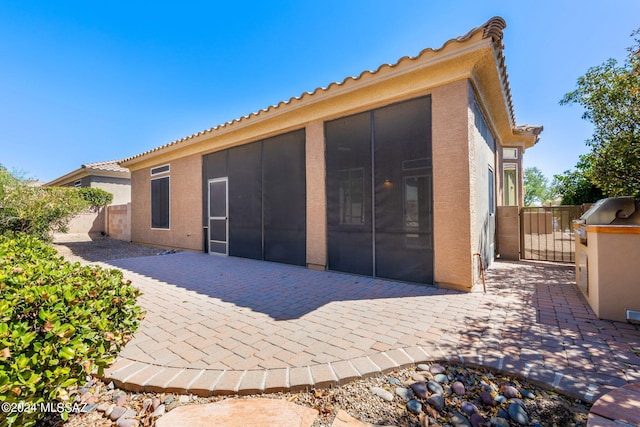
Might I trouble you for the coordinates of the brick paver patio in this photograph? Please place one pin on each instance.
(219, 325)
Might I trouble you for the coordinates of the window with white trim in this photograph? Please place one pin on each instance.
(160, 198)
(510, 184)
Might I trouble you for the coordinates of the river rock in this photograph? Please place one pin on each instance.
(477, 420)
(126, 422)
(419, 377)
(382, 393)
(437, 368)
(404, 393)
(527, 394)
(510, 392)
(414, 407)
(117, 412)
(420, 389)
(487, 399)
(518, 414)
(459, 420)
(458, 388)
(434, 387)
(423, 367)
(468, 408)
(437, 401)
(394, 381)
(441, 378)
(498, 422)
(158, 411)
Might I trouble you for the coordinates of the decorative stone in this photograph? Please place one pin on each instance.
(458, 388)
(126, 422)
(382, 393)
(147, 404)
(459, 420)
(498, 422)
(423, 367)
(437, 368)
(441, 378)
(414, 407)
(121, 400)
(527, 394)
(487, 399)
(156, 403)
(501, 399)
(510, 392)
(434, 387)
(158, 411)
(117, 412)
(477, 420)
(404, 393)
(518, 414)
(420, 389)
(419, 377)
(468, 408)
(171, 406)
(103, 407)
(109, 409)
(503, 414)
(394, 381)
(184, 398)
(111, 385)
(437, 401)
(89, 408)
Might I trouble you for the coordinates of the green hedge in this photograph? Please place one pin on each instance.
(58, 322)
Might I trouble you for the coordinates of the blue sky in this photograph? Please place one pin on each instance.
(87, 81)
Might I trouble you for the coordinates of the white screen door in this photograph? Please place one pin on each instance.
(219, 216)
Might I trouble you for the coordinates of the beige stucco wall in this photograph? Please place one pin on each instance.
(185, 230)
(451, 190)
(508, 232)
(613, 270)
(119, 222)
(121, 192)
(316, 196)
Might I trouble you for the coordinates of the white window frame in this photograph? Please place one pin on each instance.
(168, 166)
(509, 167)
(509, 156)
(151, 203)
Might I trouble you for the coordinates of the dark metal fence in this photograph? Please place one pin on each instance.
(546, 233)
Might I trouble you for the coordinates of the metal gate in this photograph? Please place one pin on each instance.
(546, 233)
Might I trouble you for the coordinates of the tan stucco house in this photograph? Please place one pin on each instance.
(108, 175)
(396, 173)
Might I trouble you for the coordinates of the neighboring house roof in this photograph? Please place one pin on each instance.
(491, 31)
(109, 168)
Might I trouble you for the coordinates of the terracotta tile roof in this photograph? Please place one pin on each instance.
(108, 166)
(492, 29)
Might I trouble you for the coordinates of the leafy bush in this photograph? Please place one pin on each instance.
(58, 322)
(38, 210)
(95, 197)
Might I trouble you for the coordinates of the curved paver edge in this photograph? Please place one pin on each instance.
(138, 377)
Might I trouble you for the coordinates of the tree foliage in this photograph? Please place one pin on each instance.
(575, 186)
(536, 187)
(95, 197)
(610, 95)
(38, 211)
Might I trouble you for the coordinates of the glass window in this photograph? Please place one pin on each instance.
(160, 203)
(510, 153)
(510, 179)
(159, 170)
(351, 190)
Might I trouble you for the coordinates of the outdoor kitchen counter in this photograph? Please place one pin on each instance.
(608, 268)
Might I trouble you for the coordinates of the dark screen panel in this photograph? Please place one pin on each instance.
(284, 198)
(349, 226)
(245, 201)
(160, 203)
(403, 199)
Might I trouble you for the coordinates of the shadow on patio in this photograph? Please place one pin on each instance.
(280, 291)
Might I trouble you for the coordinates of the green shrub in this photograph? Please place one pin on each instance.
(58, 322)
(95, 197)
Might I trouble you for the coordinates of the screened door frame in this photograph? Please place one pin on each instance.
(224, 218)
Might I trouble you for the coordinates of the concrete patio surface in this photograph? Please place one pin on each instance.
(219, 325)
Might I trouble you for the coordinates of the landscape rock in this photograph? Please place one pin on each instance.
(382, 393)
(459, 420)
(458, 388)
(441, 378)
(420, 389)
(434, 387)
(437, 368)
(468, 408)
(414, 407)
(518, 414)
(117, 412)
(437, 401)
(477, 420)
(404, 393)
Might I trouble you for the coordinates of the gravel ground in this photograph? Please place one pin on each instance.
(542, 407)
